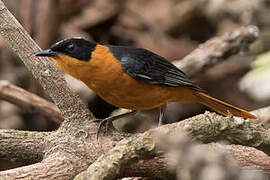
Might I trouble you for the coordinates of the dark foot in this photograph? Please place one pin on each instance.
(107, 122)
(162, 111)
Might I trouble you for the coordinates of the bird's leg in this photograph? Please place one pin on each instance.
(109, 120)
(162, 111)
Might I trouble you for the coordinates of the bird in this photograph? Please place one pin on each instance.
(131, 78)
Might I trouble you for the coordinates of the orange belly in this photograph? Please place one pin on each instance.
(125, 92)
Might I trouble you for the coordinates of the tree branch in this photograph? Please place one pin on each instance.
(210, 127)
(142, 147)
(22, 146)
(61, 163)
(29, 101)
(206, 128)
(217, 50)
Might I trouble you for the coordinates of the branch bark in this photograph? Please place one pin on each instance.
(206, 128)
(29, 101)
(22, 146)
(217, 50)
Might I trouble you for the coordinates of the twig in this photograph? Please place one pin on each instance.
(29, 101)
(217, 50)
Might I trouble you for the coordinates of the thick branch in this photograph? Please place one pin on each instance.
(23, 146)
(217, 50)
(29, 101)
(61, 163)
(206, 128)
(246, 157)
(210, 127)
(119, 157)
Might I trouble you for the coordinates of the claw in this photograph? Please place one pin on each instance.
(109, 120)
(101, 123)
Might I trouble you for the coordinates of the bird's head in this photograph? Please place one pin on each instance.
(69, 52)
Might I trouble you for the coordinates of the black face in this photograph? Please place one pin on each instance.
(78, 48)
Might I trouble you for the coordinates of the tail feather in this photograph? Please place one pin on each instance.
(222, 107)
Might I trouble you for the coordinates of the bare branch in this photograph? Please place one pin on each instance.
(217, 50)
(29, 101)
(206, 128)
(22, 146)
(246, 157)
(142, 147)
(61, 163)
(210, 127)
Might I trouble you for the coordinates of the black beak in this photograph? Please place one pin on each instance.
(47, 52)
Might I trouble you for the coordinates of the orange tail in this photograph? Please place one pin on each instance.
(222, 107)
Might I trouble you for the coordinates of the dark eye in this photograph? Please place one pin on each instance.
(70, 47)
